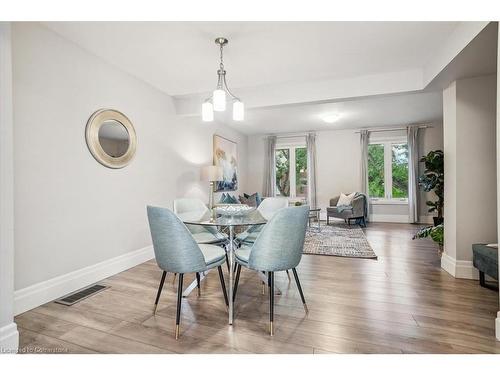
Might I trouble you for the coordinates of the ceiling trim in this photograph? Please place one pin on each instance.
(313, 92)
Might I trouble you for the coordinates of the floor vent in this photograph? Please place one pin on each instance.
(73, 298)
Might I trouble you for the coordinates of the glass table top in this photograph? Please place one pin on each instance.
(251, 218)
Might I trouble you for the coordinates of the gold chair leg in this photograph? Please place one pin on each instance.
(271, 329)
(177, 332)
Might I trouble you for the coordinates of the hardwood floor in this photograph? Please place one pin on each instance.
(401, 303)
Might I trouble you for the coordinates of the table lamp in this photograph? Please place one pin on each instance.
(211, 174)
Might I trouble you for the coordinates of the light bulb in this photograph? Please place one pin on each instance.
(207, 112)
(238, 111)
(219, 100)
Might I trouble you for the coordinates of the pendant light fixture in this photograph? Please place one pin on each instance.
(217, 102)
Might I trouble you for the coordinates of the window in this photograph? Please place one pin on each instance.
(388, 170)
(291, 171)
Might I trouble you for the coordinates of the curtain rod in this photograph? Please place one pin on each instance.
(374, 130)
(290, 135)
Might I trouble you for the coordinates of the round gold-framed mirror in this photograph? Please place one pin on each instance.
(111, 138)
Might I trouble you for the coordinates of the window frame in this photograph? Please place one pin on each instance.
(292, 146)
(387, 142)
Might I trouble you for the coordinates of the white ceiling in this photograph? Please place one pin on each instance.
(182, 58)
(290, 74)
(396, 110)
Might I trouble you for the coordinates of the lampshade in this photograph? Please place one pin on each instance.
(238, 111)
(211, 173)
(219, 100)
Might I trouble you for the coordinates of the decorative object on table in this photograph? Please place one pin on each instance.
(434, 232)
(211, 174)
(485, 259)
(339, 239)
(433, 180)
(233, 210)
(298, 204)
(226, 157)
(217, 102)
(111, 138)
(357, 209)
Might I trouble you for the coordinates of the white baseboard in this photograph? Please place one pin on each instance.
(497, 326)
(460, 269)
(35, 295)
(9, 339)
(377, 218)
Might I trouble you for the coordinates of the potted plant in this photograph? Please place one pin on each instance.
(434, 232)
(433, 180)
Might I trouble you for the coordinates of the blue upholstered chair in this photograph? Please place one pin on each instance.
(176, 251)
(267, 209)
(278, 247)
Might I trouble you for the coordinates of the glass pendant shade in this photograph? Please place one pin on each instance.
(207, 111)
(219, 100)
(238, 111)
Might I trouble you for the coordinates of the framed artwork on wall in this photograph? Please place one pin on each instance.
(226, 157)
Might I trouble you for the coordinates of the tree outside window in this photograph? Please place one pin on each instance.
(388, 170)
(283, 172)
(291, 171)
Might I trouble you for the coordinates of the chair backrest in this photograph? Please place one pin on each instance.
(191, 209)
(270, 206)
(280, 244)
(174, 246)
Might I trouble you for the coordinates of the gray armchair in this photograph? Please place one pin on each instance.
(357, 210)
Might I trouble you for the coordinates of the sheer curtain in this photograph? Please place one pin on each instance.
(311, 169)
(269, 171)
(364, 141)
(412, 133)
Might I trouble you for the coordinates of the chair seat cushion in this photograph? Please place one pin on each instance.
(208, 237)
(249, 236)
(212, 254)
(242, 255)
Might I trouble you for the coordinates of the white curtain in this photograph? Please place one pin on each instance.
(311, 169)
(269, 189)
(413, 173)
(364, 141)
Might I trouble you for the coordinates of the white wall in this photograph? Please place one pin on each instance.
(9, 336)
(70, 211)
(338, 167)
(470, 171)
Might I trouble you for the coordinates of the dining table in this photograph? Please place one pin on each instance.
(228, 223)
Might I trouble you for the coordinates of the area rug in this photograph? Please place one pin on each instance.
(339, 240)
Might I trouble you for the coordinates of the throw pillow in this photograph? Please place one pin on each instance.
(345, 200)
(222, 198)
(250, 201)
(258, 198)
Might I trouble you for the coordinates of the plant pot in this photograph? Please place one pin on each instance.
(437, 220)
